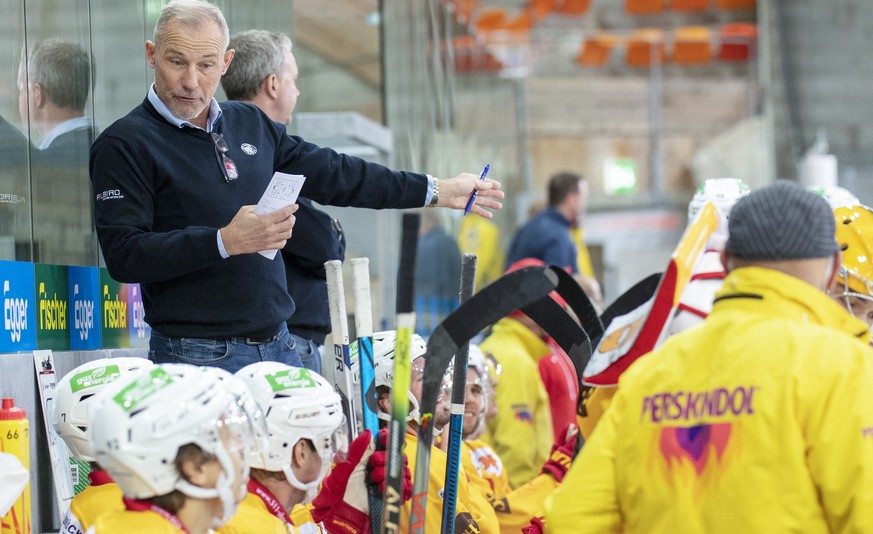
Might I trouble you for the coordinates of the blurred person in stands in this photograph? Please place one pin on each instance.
(547, 236)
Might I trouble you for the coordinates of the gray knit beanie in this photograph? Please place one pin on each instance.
(781, 221)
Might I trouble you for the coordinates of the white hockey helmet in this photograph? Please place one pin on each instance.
(73, 393)
(384, 344)
(140, 423)
(299, 404)
(836, 196)
(723, 192)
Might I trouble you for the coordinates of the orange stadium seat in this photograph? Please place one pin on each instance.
(689, 5)
(737, 41)
(736, 4)
(492, 19)
(692, 45)
(596, 50)
(574, 7)
(643, 7)
(645, 47)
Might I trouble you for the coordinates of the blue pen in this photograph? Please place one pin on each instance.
(476, 191)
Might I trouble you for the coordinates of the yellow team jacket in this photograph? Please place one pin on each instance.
(100, 497)
(470, 503)
(521, 432)
(131, 522)
(514, 507)
(759, 420)
(583, 258)
(253, 517)
(480, 236)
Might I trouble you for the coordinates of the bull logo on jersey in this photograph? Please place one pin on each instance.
(697, 445)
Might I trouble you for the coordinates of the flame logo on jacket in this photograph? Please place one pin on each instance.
(696, 444)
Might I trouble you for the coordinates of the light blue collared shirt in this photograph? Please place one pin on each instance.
(211, 120)
(64, 127)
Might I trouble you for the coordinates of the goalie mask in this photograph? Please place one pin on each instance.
(73, 394)
(299, 404)
(854, 235)
(383, 366)
(139, 424)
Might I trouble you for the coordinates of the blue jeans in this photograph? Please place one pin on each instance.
(309, 353)
(229, 354)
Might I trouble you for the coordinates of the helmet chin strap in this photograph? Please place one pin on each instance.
(308, 487)
(413, 415)
(223, 489)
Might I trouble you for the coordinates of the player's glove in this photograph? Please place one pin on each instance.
(563, 453)
(537, 525)
(377, 465)
(341, 504)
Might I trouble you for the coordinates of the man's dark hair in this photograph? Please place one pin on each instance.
(561, 185)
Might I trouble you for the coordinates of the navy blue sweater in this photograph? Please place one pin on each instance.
(161, 197)
(316, 239)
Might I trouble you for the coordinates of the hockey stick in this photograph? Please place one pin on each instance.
(560, 326)
(496, 300)
(638, 332)
(630, 300)
(579, 302)
(393, 496)
(339, 334)
(459, 394)
(364, 333)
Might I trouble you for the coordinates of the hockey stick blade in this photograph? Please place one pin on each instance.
(566, 332)
(496, 300)
(579, 302)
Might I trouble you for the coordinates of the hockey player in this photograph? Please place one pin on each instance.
(853, 288)
(306, 433)
(473, 512)
(71, 420)
(758, 420)
(484, 467)
(176, 441)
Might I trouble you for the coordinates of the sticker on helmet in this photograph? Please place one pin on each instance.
(94, 377)
(291, 379)
(142, 388)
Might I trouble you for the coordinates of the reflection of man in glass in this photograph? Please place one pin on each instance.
(54, 82)
(53, 86)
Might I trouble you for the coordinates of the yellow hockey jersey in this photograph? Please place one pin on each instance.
(133, 522)
(100, 497)
(521, 432)
(473, 513)
(514, 507)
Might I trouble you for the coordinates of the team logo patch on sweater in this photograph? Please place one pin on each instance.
(249, 149)
(522, 412)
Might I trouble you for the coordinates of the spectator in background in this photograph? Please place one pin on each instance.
(482, 237)
(264, 73)
(437, 274)
(54, 82)
(547, 236)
